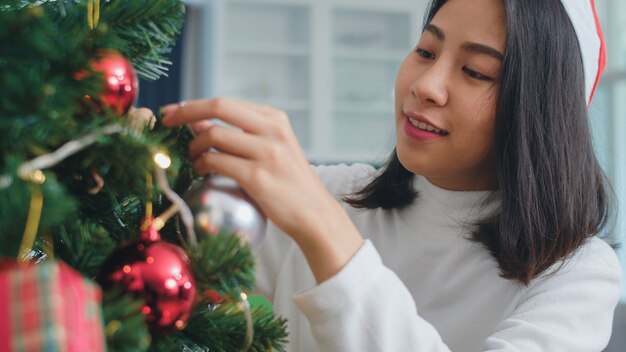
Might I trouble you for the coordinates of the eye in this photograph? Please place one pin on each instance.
(476, 75)
(425, 54)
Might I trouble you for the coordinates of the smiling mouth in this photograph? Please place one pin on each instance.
(426, 127)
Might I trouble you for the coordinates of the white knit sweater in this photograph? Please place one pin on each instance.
(419, 284)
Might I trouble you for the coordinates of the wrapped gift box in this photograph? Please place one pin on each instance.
(49, 307)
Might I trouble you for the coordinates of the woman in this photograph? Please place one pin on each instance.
(478, 234)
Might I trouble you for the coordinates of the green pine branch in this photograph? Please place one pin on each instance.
(125, 327)
(40, 100)
(43, 45)
(147, 28)
(15, 201)
(143, 30)
(83, 245)
(222, 328)
(223, 263)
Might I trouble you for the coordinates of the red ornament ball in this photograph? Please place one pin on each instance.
(120, 81)
(157, 272)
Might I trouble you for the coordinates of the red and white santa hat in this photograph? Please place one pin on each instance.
(584, 18)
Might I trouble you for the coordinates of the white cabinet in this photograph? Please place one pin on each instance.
(330, 64)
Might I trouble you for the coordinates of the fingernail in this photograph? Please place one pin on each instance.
(170, 108)
(167, 112)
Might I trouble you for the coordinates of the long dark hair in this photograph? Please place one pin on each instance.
(554, 194)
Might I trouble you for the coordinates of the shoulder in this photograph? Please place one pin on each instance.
(599, 248)
(344, 179)
(569, 308)
(595, 253)
(594, 268)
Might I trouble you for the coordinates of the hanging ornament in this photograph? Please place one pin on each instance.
(157, 272)
(120, 81)
(219, 204)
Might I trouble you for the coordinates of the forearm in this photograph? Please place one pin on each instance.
(328, 239)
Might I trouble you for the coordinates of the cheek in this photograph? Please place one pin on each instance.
(483, 107)
(488, 128)
(480, 123)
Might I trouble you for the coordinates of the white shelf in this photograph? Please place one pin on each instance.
(329, 64)
(267, 23)
(269, 50)
(297, 105)
(371, 29)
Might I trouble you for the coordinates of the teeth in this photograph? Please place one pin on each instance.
(424, 126)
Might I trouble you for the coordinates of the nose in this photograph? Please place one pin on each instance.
(431, 86)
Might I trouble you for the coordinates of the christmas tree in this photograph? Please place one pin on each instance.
(89, 191)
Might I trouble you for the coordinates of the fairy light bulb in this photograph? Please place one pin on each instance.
(162, 160)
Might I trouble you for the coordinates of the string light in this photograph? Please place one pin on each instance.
(162, 160)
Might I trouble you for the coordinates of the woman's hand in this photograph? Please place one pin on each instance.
(264, 157)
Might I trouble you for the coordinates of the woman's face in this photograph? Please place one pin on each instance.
(446, 93)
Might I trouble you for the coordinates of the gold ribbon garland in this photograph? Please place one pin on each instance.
(93, 13)
(31, 172)
(32, 223)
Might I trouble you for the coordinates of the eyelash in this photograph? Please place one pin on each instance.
(472, 74)
(476, 75)
(424, 54)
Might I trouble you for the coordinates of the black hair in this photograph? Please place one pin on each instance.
(554, 194)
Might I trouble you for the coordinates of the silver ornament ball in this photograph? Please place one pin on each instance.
(218, 204)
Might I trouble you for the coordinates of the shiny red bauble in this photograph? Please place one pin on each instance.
(159, 273)
(121, 85)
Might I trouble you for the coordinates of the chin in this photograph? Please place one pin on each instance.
(405, 160)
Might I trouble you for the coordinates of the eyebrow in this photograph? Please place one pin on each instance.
(467, 46)
(435, 30)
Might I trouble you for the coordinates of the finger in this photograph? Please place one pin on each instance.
(244, 115)
(226, 140)
(224, 164)
(200, 126)
(264, 109)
